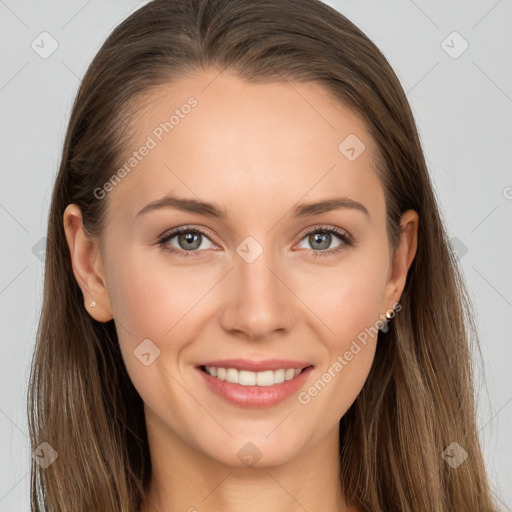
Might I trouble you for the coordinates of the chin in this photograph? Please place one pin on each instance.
(256, 452)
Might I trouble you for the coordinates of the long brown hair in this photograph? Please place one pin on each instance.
(419, 395)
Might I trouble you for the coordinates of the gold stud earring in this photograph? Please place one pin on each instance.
(385, 326)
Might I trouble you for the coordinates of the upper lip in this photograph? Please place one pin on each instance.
(257, 366)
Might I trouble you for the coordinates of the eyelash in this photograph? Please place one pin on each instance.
(346, 239)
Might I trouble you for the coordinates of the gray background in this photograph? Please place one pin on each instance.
(462, 104)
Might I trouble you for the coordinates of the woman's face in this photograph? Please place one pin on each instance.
(272, 281)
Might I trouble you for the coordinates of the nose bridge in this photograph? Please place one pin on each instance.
(258, 302)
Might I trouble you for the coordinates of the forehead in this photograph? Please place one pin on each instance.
(215, 135)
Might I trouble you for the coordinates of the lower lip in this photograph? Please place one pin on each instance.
(255, 396)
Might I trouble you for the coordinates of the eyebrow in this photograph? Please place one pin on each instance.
(310, 209)
(186, 205)
(215, 211)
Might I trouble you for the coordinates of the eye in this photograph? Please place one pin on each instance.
(188, 240)
(320, 239)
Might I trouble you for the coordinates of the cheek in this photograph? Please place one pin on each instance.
(145, 307)
(351, 314)
(350, 306)
(149, 300)
(350, 297)
(152, 296)
(154, 300)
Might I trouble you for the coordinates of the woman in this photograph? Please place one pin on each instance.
(250, 301)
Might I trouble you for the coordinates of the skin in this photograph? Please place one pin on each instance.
(213, 304)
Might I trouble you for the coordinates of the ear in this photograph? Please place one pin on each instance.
(87, 265)
(405, 253)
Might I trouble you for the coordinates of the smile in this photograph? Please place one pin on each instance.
(259, 387)
(248, 378)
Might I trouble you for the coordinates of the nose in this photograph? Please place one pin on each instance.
(258, 302)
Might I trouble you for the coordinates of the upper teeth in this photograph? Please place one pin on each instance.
(247, 378)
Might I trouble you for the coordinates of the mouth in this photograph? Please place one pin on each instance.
(255, 384)
(262, 378)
